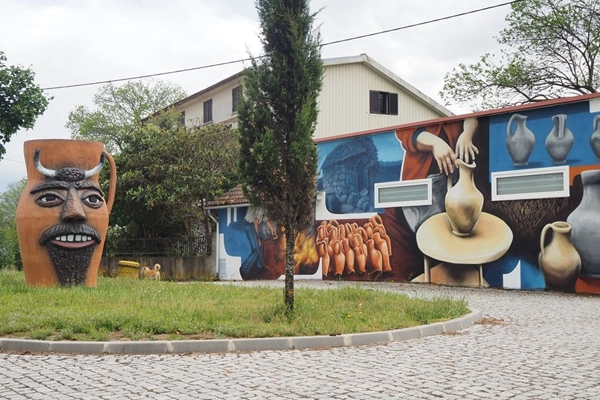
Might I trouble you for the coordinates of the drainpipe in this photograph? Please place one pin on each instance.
(216, 241)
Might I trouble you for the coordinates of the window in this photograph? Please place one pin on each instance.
(383, 103)
(182, 118)
(208, 116)
(538, 183)
(415, 192)
(236, 94)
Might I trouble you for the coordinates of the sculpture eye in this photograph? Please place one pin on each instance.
(49, 200)
(93, 200)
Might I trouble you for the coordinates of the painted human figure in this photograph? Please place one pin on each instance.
(430, 151)
(71, 210)
(256, 221)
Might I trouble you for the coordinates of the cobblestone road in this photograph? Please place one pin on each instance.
(528, 345)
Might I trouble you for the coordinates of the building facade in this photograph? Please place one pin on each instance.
(358, 94)
(519, 208)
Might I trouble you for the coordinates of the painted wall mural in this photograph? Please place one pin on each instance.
(253, 246)
(462, 237)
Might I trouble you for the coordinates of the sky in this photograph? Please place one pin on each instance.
(67, 42)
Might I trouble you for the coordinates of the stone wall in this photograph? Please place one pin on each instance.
(172, 268)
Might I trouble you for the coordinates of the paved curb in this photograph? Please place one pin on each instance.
(235, 345)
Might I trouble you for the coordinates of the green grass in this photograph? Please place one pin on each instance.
(130, 309)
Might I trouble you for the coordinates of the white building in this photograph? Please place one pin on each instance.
(358, 94)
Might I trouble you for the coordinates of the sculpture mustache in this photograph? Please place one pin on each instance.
(69, 229)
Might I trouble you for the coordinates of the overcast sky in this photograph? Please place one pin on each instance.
(71, 41)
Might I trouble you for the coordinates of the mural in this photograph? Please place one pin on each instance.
(253, 246)
(462, 237)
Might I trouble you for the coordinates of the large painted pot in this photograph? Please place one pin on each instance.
(62, 216)
(559, 261)
(464, 201)
(585, 220)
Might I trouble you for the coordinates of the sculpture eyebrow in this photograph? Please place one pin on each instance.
(65, 186)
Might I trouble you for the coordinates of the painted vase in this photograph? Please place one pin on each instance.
(595, 138)
(62, 215)
(559, 261)
(521, 142)
(464, 201)
(585, 220)
(560, 140)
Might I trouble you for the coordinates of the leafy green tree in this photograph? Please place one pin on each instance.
(166, 173)
(121, 109)
(9, 243)
(21, 100)
(277, 117)
(550, 49)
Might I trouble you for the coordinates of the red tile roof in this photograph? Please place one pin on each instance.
(233, 197)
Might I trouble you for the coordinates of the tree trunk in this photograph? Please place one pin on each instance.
(289, 269)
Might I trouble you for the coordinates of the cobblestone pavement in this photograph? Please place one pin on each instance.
(528, 345)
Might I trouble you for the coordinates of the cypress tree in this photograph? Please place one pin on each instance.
(277, 116)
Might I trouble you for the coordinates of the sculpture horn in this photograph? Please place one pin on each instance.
(96, 169)
(50, 173)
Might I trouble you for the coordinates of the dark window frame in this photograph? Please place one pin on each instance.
(207, 111)
(236, 95)
(384, 103)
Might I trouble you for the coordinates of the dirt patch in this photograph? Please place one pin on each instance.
(491, 321)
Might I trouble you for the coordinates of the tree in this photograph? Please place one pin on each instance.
(121, 109)
(21, 100)
(550, 49)
(167, 171)
(9, 243)
(277, 117)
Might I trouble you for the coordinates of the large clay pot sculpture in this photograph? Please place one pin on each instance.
(559, 261)
(464, 201)
(585, 220)
(521, 142)
(595, 138)
(560, 140)
(62, 217)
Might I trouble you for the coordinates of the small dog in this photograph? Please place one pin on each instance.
(152, 273)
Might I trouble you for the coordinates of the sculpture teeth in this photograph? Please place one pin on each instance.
(73, 238)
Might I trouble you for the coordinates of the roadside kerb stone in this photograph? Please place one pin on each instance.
(201, 346)
(238, 345)
(141, 347)
(77, 347)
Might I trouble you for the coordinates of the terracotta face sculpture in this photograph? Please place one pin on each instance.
(62, 217)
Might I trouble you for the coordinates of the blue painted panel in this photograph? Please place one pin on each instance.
(579, 120)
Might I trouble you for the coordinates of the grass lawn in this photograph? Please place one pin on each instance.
(130, 309)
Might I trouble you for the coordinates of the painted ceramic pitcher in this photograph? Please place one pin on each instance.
(62, 216)
(559, 261)
(464, 201)
(560, 140)
(585, 220)
(521, 141)
(595, 138)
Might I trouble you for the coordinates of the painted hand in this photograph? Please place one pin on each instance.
(444, 156)
(465, 149)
